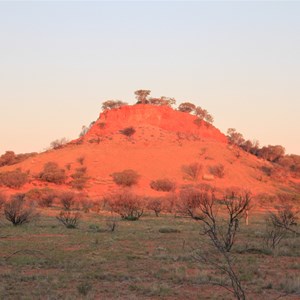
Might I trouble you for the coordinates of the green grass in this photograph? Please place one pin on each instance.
(147, 259)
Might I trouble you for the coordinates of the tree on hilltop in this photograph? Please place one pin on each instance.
(162, 101)
(112, 104)
(141, 96)
(187, 107)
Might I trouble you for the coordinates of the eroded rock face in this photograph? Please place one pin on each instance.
(162, 117)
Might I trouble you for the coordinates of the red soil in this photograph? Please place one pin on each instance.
(164, 140)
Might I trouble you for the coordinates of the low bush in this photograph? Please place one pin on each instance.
(13, 179)
(67, 199)
(86, 204)
(164, 185)
(128, 131)
(192, 171)
(52, 173)
(58, 144)
(17, 211)
(79, 178)
(69, 218)
(217, 170)
(155, 204)
(169, 230)
(129, 206)
(126, 178)
(43, 197)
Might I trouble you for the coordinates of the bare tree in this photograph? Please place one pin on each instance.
(221, 240)
(237, 206)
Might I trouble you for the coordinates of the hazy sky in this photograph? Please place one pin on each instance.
(60, 60)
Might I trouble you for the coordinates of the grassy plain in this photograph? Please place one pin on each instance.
(142, 259)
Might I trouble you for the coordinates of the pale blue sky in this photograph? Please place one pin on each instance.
(60, 60)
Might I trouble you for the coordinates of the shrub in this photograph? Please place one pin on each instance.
(86, 204)
(271, 153)
(164, 185)
(67, 199)
(192, 171)
(16, 211)
(69, 218)
(126, 178)
(155, 204)
(127, 205)
(44, 197)
(79, 179)
(58, 144)
(10, 158)
(13, 179)
(217, 170)
(80, 160)
(128, 131)
(52, 173)
(111, 223)
(168, 230)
